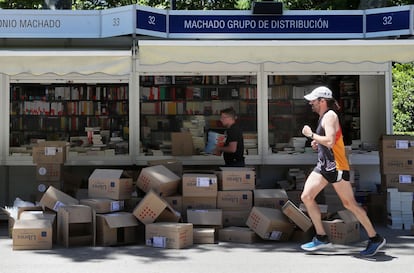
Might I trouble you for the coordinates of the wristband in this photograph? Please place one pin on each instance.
(311, 136)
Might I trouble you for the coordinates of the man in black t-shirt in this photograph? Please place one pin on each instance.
(233, 148)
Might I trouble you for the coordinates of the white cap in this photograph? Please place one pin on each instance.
(319, 92)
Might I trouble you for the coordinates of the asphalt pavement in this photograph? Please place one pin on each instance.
(263, 257)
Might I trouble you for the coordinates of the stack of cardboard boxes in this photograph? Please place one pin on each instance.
(49, 157)
(397, 179)
(175, 210)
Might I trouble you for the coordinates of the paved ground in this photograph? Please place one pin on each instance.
(261, 257)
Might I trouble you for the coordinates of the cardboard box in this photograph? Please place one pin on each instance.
(205, 217)
(235, 217)
(397, 164)
(344, 230)
(270, 224)
(103, 205)
(160, 179)
(176, 202)
(242, 235)
(36, 213)
(397, 145)
(53, 152)
(237, 178)
(172, 164)
(235, 200)
(182, 143)
(203, 235)
(54, 199)
(199, 203)
(297, 216)
(76, 226)
(169, 235)
(116, 228)
(270, 198)
(32, 234)
(403, 182)
(199, 185)
(48, 172)
(152, 207)
(110, 183)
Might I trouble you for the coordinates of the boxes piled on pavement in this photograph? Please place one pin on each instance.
(270, 224)
(270, 198)
(242, 235)
(117, 228)
(397, 177)
(49, 157)
(159, 179)
(169, 235)
(400, 209)
(32, 234)
(110, 183)
(344, 230)
(237, 178)
(153, 208)
(76, 225)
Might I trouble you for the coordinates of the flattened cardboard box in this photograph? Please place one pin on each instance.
(116, 228)
(50, 152)
(32, 234)
(153, 208)
(237, 178)
(270, 224)
(243, 235)
(110, 183)
(54, 199)
(199, 185)
(297, 216)
(103, 205)
(160, 179)
(169, 235)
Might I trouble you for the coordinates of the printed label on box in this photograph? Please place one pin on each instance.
(50, 150)
(57, 205)
(275, 235)
(203, 182)
(402, 144)
(405, 179)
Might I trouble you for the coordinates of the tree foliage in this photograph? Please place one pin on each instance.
(403, 100)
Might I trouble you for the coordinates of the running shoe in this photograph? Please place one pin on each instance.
(373, 247)
(315, 244)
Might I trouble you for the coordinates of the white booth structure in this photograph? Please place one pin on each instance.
(116, 84)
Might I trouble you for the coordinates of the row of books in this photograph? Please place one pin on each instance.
(193, 93)
(187, 108)
(216, 79)
(39, 107)
(70, 93)
(65, 123)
